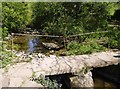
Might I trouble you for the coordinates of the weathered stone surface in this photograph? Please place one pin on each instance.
(16, 74)
(16, 82)
(83, 80)
(29, 83)
(54, 65)
(22, 70)
(1, 78)
(5, 80)
(41, 55)
(0, 81)
(70, 64)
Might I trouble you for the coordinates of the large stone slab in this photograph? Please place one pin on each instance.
(20, 70)
(29, 83)
(54, 65)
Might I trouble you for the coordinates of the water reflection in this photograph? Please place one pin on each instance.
(26, 43)
(32, 43)
(29, 44)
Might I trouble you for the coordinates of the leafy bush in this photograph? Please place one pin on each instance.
(66, 18)
(75, 48)
(46, 82)
(0, 34)
(114, 37)
(6, 56)
(4, 32)
(15, 15)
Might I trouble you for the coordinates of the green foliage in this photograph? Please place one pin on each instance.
(0, 34)
(6, 56)
(46, 82)
(65, 18)
(4, 32)
(114, 37)
(53, 19)
(112, 7)
(86, 69)
(15, 15)
(75, 48)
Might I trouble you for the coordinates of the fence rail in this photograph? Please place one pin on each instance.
(87, 33)
(54, 36)
(19, 34)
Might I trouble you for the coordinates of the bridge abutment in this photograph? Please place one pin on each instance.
(83, 80)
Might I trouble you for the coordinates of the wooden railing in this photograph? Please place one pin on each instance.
(66, 39)
(56, 36)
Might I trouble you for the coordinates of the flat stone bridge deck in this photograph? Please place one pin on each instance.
(74, 64)
(53, 65)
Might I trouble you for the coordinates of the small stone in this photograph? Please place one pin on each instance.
(52, 51)
(19, 54)
(39, 55)
(52, 56)
(31, 56)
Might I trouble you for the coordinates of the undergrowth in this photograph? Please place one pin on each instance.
(75, 48)
(6, 56)
(46, 82)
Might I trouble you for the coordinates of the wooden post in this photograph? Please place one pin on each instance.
(12, 42)
(64, 40)
(108, 40)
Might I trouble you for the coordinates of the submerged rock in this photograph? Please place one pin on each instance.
(51, 45)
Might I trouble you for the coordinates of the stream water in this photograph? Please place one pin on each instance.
(33, 44)
(27, 43)
(107, 77)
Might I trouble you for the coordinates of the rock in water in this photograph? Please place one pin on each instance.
(51, 45)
